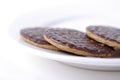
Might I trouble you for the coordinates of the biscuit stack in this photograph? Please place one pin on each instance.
(98, 41)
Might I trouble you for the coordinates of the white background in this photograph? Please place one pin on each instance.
(16, 65)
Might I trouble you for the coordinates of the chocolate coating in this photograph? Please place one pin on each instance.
(35, 35)
(77, 40)
(106, 32)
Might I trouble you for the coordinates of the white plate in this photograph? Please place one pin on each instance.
(71, 18)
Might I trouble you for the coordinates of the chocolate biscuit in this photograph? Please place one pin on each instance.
(77, 42)
(105, 34)
(35, 37)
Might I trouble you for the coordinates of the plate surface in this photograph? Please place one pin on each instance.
(66, 19)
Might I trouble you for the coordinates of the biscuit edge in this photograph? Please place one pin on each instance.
(75, 51)
(101, 40)
(50, 47)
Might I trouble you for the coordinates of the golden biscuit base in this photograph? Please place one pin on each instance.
(102, 40)
(51, 47)
(74, 51)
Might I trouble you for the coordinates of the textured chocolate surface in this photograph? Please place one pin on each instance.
(106, 32)
(77, 40)
(34, 34)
